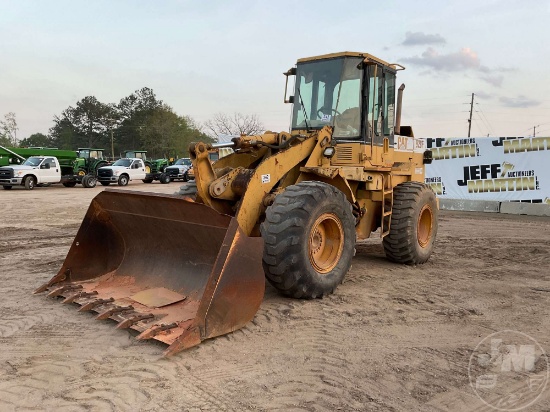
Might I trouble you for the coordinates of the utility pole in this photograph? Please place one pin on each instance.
(112, 145)
(470, 119)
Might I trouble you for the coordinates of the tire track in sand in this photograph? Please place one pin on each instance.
(59, 382)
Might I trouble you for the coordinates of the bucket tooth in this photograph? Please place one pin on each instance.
(189, 338)
(62, 289)
(94, 303)
(108, 313)
(126, 323)
(78, 295)
(42, 288)
(155, 330)
(60, 277)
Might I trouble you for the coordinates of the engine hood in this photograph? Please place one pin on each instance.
(19, 167)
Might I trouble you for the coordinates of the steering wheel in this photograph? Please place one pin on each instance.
(320, 112)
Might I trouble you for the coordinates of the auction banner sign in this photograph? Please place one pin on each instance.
(502, 168)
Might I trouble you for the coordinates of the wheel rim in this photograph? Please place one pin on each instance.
(425, 226)
(326, 242)
(147, 169)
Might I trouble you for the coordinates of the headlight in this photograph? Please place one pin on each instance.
(116, 172)
(20, 172)
(329, 151)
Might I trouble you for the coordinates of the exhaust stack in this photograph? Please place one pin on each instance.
(397, 128)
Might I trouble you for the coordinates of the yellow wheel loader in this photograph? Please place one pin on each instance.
(285, 206)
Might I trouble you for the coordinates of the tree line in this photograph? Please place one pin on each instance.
(139, 121)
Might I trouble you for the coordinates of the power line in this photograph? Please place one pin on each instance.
(489, 126)
(481, 123)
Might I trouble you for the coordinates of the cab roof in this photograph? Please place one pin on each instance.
(346, 54)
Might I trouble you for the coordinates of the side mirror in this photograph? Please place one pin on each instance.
(290, 72)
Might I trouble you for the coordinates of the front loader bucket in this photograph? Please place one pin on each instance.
(173, 270)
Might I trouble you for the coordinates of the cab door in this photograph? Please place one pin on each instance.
(380, 82)
(49, 171)
(138, 170)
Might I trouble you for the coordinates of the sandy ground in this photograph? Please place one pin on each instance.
(392, 337)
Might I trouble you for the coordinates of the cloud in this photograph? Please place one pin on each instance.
(484, 95)
(519, 101)
(422, 39)
(495, 80)
(464, 59)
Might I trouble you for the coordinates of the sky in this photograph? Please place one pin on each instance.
(207, 57)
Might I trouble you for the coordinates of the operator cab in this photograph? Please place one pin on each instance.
(90, 153)
(140, 154)
(352, 92)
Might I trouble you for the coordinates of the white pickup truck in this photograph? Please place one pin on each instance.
(40, 171)
(122, 171)
(178, 171)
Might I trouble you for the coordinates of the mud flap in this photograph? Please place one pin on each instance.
(173, 270)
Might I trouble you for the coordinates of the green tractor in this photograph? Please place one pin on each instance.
(140, 154)
(153, 167)
(85, 167)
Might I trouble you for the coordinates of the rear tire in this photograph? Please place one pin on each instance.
(7, 187)
(413, 226)
(30, 183)
(89, 181)
(309, 240)
(123, 180)
(92, 181)
(105, 183)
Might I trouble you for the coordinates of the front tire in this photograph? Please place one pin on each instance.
(30, 183)
(69, 184)
(123, 180)
(309, 240)
(105, 183)
(164, 178)
(413, 226)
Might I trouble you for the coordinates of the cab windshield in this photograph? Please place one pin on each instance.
(328, 92)
(123, 162)
(185, 162)
(90, 154)
(138, 155)
(33, 161)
